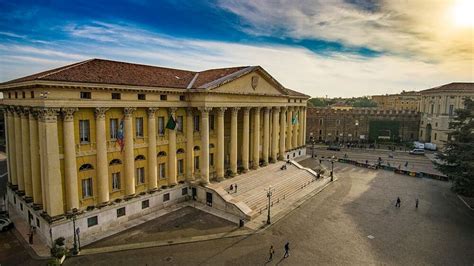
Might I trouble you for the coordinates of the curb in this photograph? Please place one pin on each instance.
(472, 209)
(27, 247)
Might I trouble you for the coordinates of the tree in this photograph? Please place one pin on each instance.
(457, 161)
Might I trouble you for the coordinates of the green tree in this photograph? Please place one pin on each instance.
(457, 161)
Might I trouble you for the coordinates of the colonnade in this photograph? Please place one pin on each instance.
(34, 154)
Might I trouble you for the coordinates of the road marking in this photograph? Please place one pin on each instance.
(370, 237)
(4, 174)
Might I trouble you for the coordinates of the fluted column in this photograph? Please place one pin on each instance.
(50, 162)
(256, 137)
(275, 114)
(266, 134)
(282, 133)
(233, 140)
(152, 169)
(204, 144)
(220, 143)
(294, 142)
(289, 129)
(129, 160)
(303, 126)
(11, 145)
(245, 139)
(18, 150)
(70, 165)
(189, 144)
(35, 158)
(25, 150)
(102, 163)
(172, 178)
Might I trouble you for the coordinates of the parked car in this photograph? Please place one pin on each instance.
(333, 148)
(5, 224)
(417, 152)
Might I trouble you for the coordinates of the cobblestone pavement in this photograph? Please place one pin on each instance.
(351, 222)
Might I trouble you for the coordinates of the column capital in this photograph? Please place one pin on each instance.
(151, 111)
(221, 111)
(205, 110)
(25, 111)
(246, 110)
(235, 110)
(267, 109)
(48, 114)
(18, 110)
(172, 110)
(100, 112)
(68, 113)
(257, 108)
(128, 111)
(276, 108)
(190, 111)
(284, 108)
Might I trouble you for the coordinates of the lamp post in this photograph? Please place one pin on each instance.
(311, 139)
(72, 216)
(269, 196)
(332, 170)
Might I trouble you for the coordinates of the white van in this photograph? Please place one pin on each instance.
(417, 152)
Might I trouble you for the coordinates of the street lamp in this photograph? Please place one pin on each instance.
(75, 231)
(332, 170)
(311, 138)
(269, 196)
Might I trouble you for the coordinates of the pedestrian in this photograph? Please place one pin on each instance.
(231, 187)
(406, 164)
(398, 202)
(416, 203)
(235, 188)
(287, 250)
(366, 161)
(271, 252)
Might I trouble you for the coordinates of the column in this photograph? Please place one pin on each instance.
(204, 160)
(102, 163)
(152, 168)
(245, 139)
(266, 134)
(256, 138)
(220, 143)
(304, 126)
(233, 141)
(301, 130)
(294, 142)
(51, 165)
(11, 145)
(189, 144)
(35, 158)
(129, 160)
(25, 150)
(275, 114)
(42, 155)
(289, 130)
(282, 133)
(18, 150)
(70, 165)
(172, 177)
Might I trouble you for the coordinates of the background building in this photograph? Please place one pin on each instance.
(407, 100)
(362, 125)
(438, 107)
(116, 141)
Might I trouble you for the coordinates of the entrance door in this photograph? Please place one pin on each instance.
(209, 199)
(194, 193)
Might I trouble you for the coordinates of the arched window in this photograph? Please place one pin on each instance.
(179, 151)
(161, 154)
(115, 162)
(196, 148)
(139, 158)
(211, 146)
(85, 167)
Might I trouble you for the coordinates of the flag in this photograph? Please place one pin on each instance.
(171, 123)
(294, 120)
(120, 139)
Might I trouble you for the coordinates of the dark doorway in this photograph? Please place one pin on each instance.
(194, 193)
(209, 199)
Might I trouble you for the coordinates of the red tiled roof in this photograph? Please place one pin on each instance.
(454, 86)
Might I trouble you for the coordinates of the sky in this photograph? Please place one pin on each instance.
(333, 48)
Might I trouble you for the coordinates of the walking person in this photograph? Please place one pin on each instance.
(235, 188)
(398, 202)
(231, 187)
(416, 203)
(287, 250)
(406, 164)
(271, 252)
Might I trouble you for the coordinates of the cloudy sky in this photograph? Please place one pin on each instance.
(319, 47)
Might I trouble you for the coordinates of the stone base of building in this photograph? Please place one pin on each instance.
(295, 153)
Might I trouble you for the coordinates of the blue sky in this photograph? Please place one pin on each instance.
(334, 48)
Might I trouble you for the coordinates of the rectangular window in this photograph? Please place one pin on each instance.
(87, 187)
(91, 221)
(179, 123)
(145, 204)
(211, 122)
(211, 159)
(196, 123)
(432, 109)
(180, 166)
(116, 181)
(116, 96)
(140, 175)
(182, 98)
(23, 94)
(451, 110)
(320, 121)
(196, 162)
(16, 95)
(9, 95)
(113, 128)
(32, 94)
(163, 97)
(85, 95)
(84, 131)
(120, 212)
(141, 96)
(166, 197)
(162, 172)
(161, 125)
(435, 136)
(139, 127)
(184, 191)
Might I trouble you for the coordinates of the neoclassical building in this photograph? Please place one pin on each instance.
(116, 140)
(438, 106)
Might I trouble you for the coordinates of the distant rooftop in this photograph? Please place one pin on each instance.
(454, 86)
